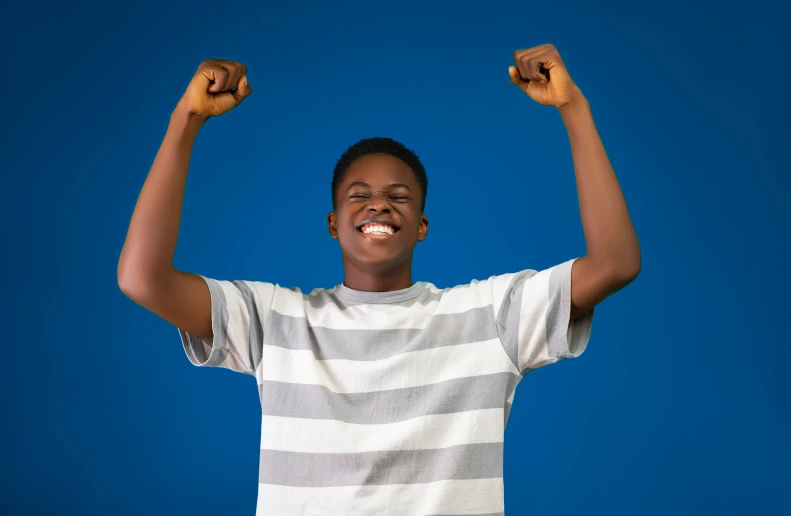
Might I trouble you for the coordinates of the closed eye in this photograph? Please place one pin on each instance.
(393, 197)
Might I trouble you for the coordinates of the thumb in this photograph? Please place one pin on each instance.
(516, 78)
(243, 89)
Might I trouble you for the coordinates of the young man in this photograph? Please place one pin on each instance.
(382, 395)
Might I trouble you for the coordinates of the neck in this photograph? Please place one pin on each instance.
(381, 278)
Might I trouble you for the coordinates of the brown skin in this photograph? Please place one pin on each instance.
(145, 268)
(384, 188)
(613, 258)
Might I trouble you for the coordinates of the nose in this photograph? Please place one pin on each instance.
(378, 203)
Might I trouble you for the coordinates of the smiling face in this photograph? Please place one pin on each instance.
(378, 218)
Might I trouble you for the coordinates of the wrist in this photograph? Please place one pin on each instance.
(576, 102)
(183, 120)
(575, 110)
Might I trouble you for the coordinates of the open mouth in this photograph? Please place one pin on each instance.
(378, 229)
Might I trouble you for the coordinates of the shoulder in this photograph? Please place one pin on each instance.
(480, 293)
(286, 300)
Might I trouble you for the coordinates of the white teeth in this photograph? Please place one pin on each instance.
(378, 229)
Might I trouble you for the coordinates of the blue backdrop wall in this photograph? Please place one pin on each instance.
(680, 404)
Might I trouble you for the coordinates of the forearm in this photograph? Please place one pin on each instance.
(147, 254)
(609, 234)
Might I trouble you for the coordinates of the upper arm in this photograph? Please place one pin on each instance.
(181, 298)
(220, 322)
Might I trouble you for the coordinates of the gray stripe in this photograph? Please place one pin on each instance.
(559, 311)
(219, 323)
(510, 313)
(219, 317)
(391, 406)
(344, 297)
(463, 462)
(290, 332)
(256, 333)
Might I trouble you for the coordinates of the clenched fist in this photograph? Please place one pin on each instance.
(540, 73)
(217, 87)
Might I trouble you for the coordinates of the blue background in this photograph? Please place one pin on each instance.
(680, 404)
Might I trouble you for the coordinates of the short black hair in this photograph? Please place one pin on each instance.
(379, 145)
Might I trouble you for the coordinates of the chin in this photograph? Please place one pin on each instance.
(369, 257)
(378, 261)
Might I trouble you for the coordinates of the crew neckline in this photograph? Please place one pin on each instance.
(393, 296)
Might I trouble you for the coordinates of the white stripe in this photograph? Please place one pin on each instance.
(411, 369)
(458, 299)
(288, 302)
(478, 496)
(359, 317)
(462, 298)
(533, 321)
(424, 432)
(499, 285)
(263, 293)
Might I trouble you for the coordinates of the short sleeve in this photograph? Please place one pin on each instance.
(533, 311)
(238, 312)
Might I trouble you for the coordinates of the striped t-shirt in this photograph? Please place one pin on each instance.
(388, 403)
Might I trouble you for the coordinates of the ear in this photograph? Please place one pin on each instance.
(422, 231)
(332, 224)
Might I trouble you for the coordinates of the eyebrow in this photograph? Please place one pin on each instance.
(366, 185)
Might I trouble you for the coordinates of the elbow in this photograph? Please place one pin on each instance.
(626, 273)
(124, 276)
(135, 285)
(631, 271)
(619, 272)
(129, 284)
(624, 267)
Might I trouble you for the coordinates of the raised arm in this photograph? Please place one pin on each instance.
(613, 256)
(145, 269)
